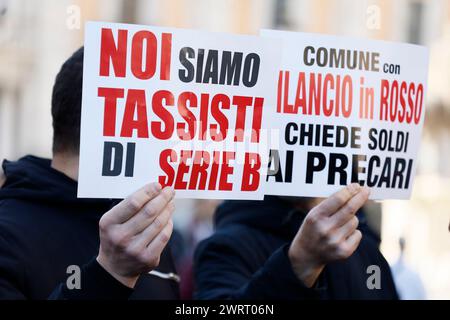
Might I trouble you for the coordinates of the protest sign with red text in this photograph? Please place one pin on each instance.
(182, 107)
(348, 110)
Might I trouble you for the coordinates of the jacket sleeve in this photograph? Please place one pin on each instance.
(96, 284)
(11, 273)
(223, 271)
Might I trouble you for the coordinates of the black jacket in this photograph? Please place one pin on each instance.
(246, 258)
(44, 229)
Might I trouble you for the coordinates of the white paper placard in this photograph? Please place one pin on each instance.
(181, 107)
(348, 110)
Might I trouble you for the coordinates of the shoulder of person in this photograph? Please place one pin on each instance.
(234, 240)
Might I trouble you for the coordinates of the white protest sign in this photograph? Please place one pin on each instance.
(348, 110)
(182, 107)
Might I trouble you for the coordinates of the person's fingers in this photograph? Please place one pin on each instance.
(150, 212)
(157, 245)
(352, 242)
(332, 204)
(150, 232)
(132, 204)
(348, 210)
(344, 231)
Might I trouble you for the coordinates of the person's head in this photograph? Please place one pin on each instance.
(66, 106)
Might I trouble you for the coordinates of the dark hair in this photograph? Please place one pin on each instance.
(66, 105)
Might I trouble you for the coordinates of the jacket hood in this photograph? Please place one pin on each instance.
(273, 215)
(33, 178)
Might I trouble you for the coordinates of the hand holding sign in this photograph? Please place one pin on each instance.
(328, 233)
(134, 233)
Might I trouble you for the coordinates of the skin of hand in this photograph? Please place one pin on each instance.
(134, 233)
(328, 233)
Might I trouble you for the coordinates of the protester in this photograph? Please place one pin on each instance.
(47, 233)
(272, 249)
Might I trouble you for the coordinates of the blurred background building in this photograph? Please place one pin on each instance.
(37, 36)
